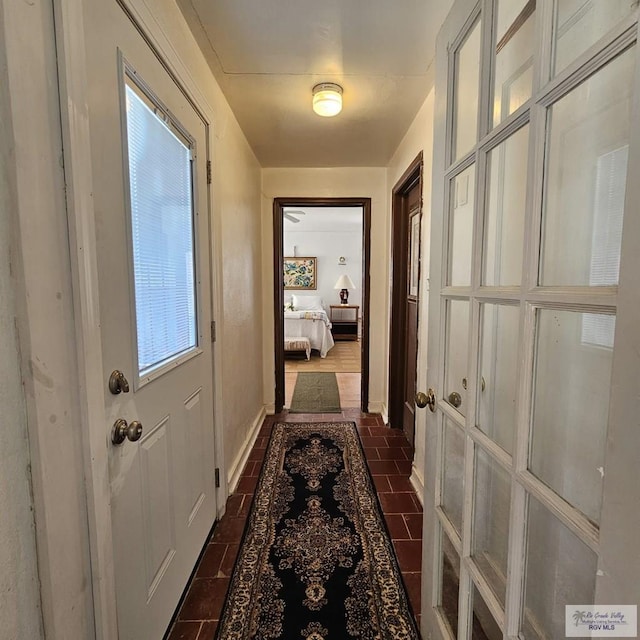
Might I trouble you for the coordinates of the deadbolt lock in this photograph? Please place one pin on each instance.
(118, 383)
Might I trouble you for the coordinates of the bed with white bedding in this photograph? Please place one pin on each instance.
(314, 325)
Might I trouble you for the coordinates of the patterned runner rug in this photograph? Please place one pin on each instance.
(316, 561)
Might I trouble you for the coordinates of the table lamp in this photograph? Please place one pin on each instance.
(344, 283)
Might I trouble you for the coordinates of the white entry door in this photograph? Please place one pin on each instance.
(149, 148)
(532, 495)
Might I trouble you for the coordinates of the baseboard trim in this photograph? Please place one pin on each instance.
(377, 407)
(236, 469)
(270, 409)
(418, 484)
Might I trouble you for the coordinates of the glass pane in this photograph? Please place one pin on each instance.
(453, 473)
(580, 24)
(491, 500)
(585, 181)
(450, 583)
(484, 625)
(571, 405)
(514, 57)
(162, 233)
(462, 202)
(498, 369)
(560, 570)
(457, 332)
(467, 81)
(504, 224)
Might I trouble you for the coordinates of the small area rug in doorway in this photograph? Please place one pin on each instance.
(316, 561)
(315, 392)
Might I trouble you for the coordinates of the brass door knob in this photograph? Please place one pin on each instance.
(424, 399)
(122, 431)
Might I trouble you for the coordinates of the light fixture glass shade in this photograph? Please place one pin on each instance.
(344, 282)
(327, 99)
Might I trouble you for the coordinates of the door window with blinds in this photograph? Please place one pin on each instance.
(159, 156)
(531, 174)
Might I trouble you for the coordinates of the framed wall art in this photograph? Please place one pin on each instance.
(300, 273)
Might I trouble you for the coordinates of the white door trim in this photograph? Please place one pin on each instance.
(72, 71)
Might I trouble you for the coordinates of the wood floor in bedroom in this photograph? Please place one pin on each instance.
(343, 357)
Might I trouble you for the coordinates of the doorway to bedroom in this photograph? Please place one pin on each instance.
(321, 299)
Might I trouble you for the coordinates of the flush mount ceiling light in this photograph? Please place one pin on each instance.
(327, 99)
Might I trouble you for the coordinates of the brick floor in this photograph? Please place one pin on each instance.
(389, 457)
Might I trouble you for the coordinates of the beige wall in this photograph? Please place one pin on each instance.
(419, 138)
(237, 207)
(333, 182)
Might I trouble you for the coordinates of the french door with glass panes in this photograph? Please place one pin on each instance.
(532, 499)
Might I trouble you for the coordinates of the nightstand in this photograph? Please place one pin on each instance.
(344, 321)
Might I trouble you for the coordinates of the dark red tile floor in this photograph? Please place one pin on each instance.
(389, 456)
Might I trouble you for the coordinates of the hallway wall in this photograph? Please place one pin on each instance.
(367, 182)
(418, 138)
(236, 208)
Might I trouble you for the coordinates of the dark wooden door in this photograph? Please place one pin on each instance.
(412, 204)
(403, 352)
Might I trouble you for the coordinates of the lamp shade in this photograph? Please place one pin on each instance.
(327, 99)
(344, 282)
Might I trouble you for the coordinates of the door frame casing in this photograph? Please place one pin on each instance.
(75, 122)
(278, 287)
(399, 266)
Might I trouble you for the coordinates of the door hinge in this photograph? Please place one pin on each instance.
(217, 472)
(213, 331)
(208, 171)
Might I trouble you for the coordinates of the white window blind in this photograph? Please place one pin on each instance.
(162, 233)
(611, 176)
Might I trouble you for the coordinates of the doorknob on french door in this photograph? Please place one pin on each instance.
(122, 431)
(455, 399)
(424, 399)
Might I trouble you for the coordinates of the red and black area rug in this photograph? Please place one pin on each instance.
(316, 561)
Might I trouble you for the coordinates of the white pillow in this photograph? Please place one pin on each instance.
(307, 303)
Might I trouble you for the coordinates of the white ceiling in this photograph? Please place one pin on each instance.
(268, 54)
(337, 219)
